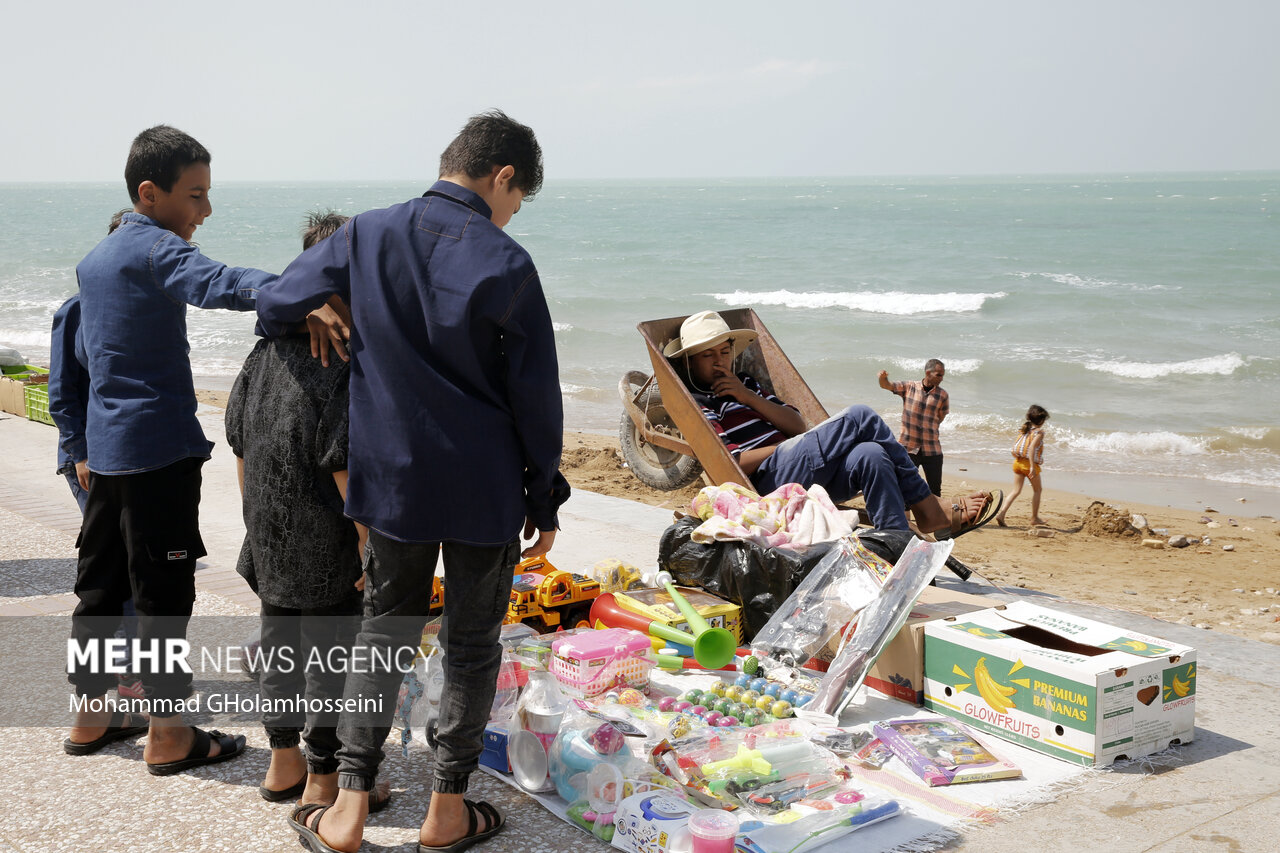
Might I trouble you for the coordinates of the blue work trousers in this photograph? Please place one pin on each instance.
(851, 452)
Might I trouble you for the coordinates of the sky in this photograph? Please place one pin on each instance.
(281, 90)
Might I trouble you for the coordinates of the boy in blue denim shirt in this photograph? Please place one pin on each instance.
(144, 446)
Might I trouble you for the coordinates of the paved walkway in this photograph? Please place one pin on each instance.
(1223, 795)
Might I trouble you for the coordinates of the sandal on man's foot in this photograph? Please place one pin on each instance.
(118, 728)
(492, 817)
(991, 503)
(229, 745)
(294, 790)
(308, 835)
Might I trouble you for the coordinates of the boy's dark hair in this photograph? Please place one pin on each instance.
(494, 139)
(115, 219)
(321, 224)
(159, 154)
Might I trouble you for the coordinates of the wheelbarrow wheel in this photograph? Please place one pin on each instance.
(656, 467)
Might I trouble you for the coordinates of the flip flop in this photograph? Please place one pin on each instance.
(116, 730)
(491, 815)
(308, 836)
(959, 526)
(294, 790)
(230, 747)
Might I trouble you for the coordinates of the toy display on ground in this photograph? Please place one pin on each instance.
(770, 755)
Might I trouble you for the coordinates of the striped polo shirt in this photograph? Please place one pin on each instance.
(739, 426)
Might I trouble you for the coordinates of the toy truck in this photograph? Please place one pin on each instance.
(548, 598)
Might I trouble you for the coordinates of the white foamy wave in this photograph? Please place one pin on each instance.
(955, 366)
(890, 302)
(1215, 365)
(973, 422)
(25, 339)
(1086, 282)
(570, 388)
(1159, 443)
(561, 327)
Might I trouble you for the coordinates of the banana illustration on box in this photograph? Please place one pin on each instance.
(1179, 682)
(999, 696)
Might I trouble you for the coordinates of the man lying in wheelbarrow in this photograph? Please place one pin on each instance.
(852, 452)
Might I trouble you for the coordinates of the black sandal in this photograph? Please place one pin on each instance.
(308, 834)
(492, 817)
(116, 730)
(229, 745)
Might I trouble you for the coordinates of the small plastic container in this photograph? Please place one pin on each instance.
(713, 831)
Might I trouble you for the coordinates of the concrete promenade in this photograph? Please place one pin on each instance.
(1222, 792)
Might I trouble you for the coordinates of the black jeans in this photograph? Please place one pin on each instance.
(302, 651)
(140, 539)
(932, 466)
(397, 596)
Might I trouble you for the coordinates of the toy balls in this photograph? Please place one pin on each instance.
(667, 703)
(781, 709)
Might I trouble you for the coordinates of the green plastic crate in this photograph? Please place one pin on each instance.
(37, 397)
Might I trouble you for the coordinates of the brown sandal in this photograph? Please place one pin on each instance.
(960, 525)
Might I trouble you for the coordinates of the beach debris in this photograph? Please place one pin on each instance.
(1233, 522)
(1209, 509)
(1206, 541)
(1213, 525)
(1139, 522)
(1204, 519)
(1130, 592)
(1242, 500)
(1179, 541)
(1040, 532)
(1153, 543)
(1228, 547)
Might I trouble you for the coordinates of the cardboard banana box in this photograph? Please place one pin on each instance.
(1079, 690)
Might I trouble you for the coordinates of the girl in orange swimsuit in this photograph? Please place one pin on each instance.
(1028, 454)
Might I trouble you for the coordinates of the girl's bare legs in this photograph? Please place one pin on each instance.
(1035, 500)
(1017, 490)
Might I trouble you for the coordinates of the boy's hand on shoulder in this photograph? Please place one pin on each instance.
(330, 328)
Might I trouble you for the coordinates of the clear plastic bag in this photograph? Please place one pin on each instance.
(846, 580)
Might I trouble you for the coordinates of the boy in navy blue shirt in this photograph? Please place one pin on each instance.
(145, 448)
(455, 439)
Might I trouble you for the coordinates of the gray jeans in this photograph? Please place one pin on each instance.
(397, 596)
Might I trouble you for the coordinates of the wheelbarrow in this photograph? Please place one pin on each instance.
(668, 443)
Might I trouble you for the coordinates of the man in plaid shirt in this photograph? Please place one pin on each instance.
(924, 405)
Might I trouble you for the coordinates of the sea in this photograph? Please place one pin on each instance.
(1143, 310)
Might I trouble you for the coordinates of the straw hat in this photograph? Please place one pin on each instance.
(705, 330)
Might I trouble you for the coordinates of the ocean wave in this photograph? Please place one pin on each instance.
(955, 366)
(1247, 439)
(25, 339)
(561, 327)
(890, 302)
(1159, 443)
(1214, 365)
(1085, 282)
